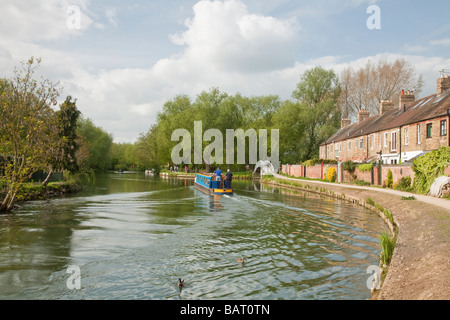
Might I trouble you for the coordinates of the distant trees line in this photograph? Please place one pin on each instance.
(33, 136)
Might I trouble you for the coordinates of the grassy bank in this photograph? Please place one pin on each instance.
(33, 191)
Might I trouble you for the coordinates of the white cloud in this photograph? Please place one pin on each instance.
(441, 42)
(39, 20)
(226, 35)
(223, 45)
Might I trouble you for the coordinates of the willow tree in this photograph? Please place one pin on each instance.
(316, 101)
(25, 108)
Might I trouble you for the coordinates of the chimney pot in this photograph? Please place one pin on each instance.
(345, 123)
(406, 98)
(443, 84)
(363, 114)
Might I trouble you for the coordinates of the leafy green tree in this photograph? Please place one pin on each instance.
(98, 143)
(25, 135)
(63, 126)
(147, 150)
(317, 94)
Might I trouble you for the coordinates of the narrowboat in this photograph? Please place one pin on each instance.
(205, 183)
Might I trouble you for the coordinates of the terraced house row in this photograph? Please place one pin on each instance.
(399, 133)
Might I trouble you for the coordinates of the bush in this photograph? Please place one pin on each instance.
(404, 184)
(313, 162)
(365, 167)
(331, 174)
(428, 167)
(349, 165)
(389, 180)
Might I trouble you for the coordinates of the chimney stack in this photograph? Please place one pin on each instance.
(443, 83)
(345, 123)
(406, 98)
(363, 114)
(386, 105)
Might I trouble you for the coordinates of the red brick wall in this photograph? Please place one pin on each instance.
(315, 172)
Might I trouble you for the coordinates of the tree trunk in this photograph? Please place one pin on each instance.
(47, 180)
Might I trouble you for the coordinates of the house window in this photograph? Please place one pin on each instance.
(372, 138)
(356, 144)
(418, 134)
(429, 130)
(406, 136)
(361, 143)
(379, 140)
(443, 127)
(386, 139)
(393, 141)
(349, 147)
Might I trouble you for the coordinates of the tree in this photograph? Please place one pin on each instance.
(98, 143)
(25, 109)
(366, 87)
(63, 127)
(316, 97)
(147, 150)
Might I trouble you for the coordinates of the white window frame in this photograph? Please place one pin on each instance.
(394, 141)
(406, 136)
(418, 134)
(386, 139)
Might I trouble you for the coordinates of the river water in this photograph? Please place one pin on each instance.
(132, 237)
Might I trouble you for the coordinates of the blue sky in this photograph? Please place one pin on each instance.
(129, 57)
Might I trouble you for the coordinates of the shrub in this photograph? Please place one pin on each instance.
(331, 174)
(428, 167)
(389, 180)
(313, 162)
(403, 184)
(349, 165)
(365, 167)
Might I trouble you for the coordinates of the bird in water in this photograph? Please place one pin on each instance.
(241, 260)
(181, 283)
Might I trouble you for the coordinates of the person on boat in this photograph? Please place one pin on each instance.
(218, 174)
(229, 178)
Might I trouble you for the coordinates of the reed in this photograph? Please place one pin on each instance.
(387, 247)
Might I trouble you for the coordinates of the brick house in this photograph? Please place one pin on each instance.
(398, 133)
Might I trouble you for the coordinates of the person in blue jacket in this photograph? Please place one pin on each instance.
(218, 174)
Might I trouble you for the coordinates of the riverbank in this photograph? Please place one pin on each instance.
(420, 265)
(32, 191)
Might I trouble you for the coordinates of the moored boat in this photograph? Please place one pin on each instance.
(206, 184)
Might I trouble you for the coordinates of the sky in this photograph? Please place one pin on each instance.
(122, 60)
